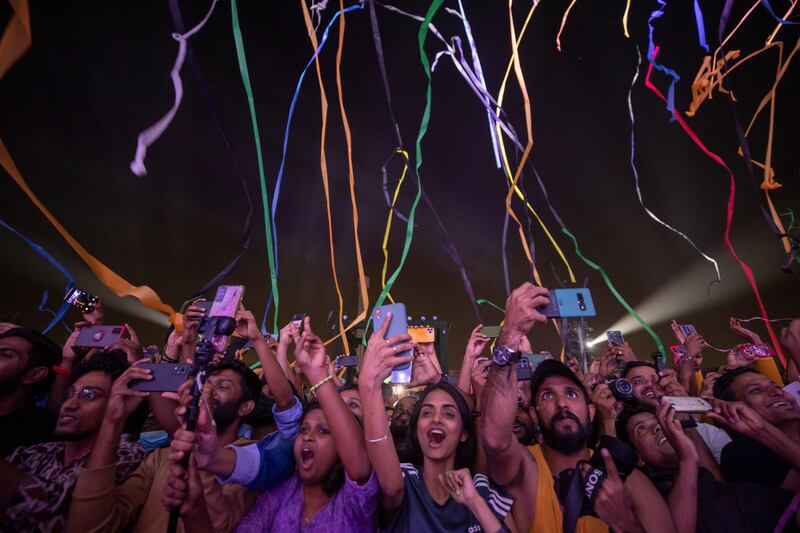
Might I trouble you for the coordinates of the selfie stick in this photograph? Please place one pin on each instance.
(209, 327)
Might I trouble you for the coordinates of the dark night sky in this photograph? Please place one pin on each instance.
(97, 74)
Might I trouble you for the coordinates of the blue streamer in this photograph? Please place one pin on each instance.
(42, 308)
(277, 191)
(657, 13)
(701, 26)
(58, 315)
(775, 16)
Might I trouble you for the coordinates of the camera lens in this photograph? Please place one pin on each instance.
(623, 388)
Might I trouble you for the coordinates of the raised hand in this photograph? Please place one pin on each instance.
(790, 338)
(122, 400)
(607, 407)
(246, 325)
(310, 355)
(522, 313)
(694, 344)
(131, 346)
(738, 417)
(201, 443)
(183, 489)
(613, 502)
(476, 344)
(71, 354)
(96, 315)
(742, 331)
(479, 372)
(288, 334)
(459, 485)
(381, 357)
(708, 384)
(423, 371)
(673, 431)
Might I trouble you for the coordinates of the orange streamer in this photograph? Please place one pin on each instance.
(16, 37)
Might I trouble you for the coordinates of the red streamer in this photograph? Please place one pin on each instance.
(729, 217)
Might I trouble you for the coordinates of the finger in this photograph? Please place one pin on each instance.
(381, 331)
(611, 468)
(133, 335)
(307, 324)
(400, 337)
(391, 350)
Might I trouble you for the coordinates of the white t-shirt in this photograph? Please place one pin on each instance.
(714, 437)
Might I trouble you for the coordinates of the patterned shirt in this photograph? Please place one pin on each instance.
(42, 500)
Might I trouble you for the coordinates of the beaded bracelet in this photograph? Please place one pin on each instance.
(323, 381)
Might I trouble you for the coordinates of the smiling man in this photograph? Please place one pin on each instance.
(766, 422)
(38, 480)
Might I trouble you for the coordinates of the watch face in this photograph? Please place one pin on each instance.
(501, 355)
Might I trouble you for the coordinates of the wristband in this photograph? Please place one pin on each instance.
(379, 439)
(61, 371)
(323, 381)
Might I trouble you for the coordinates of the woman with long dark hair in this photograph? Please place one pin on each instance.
(435, 491)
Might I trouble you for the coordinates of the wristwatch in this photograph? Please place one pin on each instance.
(503, 355)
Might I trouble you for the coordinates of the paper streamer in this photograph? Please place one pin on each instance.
(57, 315)
(774, 15)
(422, 35)
(762, 318)
(729, 217)
(245, 74)
(385, 243)
(324, 169)
(147, 137)
(636, 175)
(107, 277)
(701, 27)
(362, 283)
(205, 93)
(625, 18)
(481, 301)
(16, 39)
(564, 23)
(651, 56)
(448, 243)
(615, 292)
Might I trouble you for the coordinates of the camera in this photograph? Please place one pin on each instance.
(621, 388)
(577, 487)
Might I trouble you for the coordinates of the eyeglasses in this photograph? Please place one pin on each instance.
(85, 395)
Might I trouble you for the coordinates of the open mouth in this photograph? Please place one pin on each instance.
(436, 436)
(661, 440)
(648, 393)
(306, 457)
(782, 404)
(66, 419)
(517, 427)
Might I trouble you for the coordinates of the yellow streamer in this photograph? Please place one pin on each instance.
(500, 98)
(324, 164)
(362, 280)
(16, 37)
(384, 245)
(107, 277)
(625, 18)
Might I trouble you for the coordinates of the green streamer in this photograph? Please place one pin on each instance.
(481, 301)
(423, 128)
(237, 37)
(615, 292)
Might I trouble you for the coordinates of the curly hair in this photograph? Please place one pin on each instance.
(111, 362)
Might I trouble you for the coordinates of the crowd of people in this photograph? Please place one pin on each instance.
(572, 447)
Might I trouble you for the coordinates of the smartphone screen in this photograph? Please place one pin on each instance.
(688, 329)
(81, 300)
(398, 325)
(298, 319)
(491, 331)
(615, 338)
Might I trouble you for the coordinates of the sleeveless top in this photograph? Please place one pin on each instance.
(548, 517)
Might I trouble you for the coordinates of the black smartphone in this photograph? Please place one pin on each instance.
(81, 300)
(524, 371)
(298, 319)
(658, 361)
(346, 361)
(167, 377)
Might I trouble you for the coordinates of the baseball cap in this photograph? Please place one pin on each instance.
(553, 367)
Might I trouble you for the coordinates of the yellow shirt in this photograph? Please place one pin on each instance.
(548, 517)
(99, 505)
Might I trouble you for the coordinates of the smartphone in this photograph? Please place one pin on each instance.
(753, 352)
(226, 302)
(81, 300)
(205, 305)
(569, 303)
(688, 329)
(679, 351)
(346, 361)
(658, 361)
(167, 377)
(398, 325)
(528, 363)
(298, 319)
(689, 404)
(491, 331)
(615, 338)
(99, 336)
(422, 334)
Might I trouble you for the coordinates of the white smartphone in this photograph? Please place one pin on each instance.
(689, 404)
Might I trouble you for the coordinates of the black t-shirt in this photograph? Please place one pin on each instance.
(29, 425)
(742, 507)
(419, 512)
(745, 459)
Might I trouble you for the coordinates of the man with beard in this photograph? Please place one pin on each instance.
(401, 418)
(99, 505)
(564, 411)
(26, 361)
(38, 479)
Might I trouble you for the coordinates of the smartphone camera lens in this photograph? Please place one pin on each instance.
(116, 331)
(581, 302)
